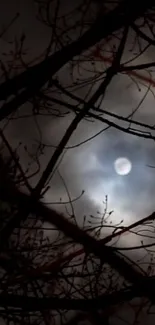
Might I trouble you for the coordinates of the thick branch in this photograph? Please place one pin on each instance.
(35, 77)
(32, 303)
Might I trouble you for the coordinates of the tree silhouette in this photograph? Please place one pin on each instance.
(45, 278)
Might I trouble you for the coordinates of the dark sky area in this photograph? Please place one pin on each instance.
(88, 167)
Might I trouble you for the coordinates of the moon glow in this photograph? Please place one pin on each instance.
(122, 166)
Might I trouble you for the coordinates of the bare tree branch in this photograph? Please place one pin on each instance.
(35, 77)
(32, 303)
(142, 35)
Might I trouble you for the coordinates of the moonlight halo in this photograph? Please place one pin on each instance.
(122, 166)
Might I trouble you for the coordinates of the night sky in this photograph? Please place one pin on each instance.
(89, 167)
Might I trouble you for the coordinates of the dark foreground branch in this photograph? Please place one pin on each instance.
(33, 304)
(36, 77)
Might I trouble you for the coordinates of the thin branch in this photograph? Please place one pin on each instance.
(74, 108)
(94, 108)
(128, 228)
(143, 66)
(13, 156)
(142, 35)
(33, 304)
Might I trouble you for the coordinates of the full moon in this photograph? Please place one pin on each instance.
(122, 166)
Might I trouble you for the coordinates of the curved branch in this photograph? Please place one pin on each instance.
(35, 77)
